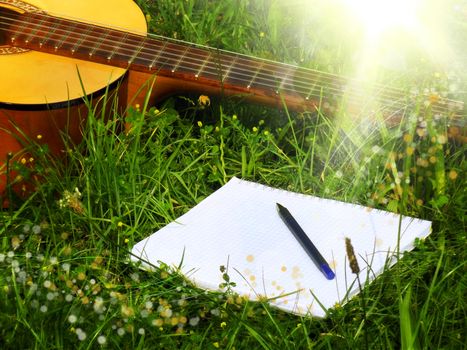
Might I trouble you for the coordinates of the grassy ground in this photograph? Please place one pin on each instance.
(64, 273)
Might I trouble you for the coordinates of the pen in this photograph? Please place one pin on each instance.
(305, 242)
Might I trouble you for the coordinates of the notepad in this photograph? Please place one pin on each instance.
(238, 227)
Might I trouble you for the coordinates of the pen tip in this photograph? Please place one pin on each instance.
(327, 271)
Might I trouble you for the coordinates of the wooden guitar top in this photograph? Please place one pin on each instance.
(31, 77)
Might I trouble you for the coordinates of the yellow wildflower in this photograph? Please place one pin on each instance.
(204, 100)
(453, 174)
(407, 138)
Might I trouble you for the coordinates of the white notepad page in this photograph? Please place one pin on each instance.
(238, 227)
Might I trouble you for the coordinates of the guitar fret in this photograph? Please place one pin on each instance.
(68, 31)
(310, 93)
(50, 33)
(198, 73)
(154, 61)
(137, 51)
(99, 43)
(34, 33)
(112, 54)
(180, 60)
(255, 75)
(284, 80)
(82, 39)
(227, 72)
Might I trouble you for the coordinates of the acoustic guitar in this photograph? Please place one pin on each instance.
(55, 52)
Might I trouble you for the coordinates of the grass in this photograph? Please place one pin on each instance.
(65, 280)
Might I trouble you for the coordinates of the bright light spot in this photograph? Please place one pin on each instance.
(380, 15)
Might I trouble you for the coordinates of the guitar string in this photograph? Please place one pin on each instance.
(263, 74)
(388, 105)
(339, 90)
(322, 74)
(208, 67)
(183, 43)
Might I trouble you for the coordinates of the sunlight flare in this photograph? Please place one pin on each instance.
(380, 15)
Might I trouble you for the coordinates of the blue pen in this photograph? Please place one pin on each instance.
(305, 242)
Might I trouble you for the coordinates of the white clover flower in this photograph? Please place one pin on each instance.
(47, 284)
(168, 313)
(10, 254)
(194, 321)
(36, 229)
(81, 334)
(121, 332)
(215, 312)
(66, 267)
(72, 318)
(68, 297)
(135, 277)
(2, 257)
(26, 228)
(99, 305)
(28, 255)
(53, 260)
(22, 275)
(141, 331)
(101, 339)
(43, 308)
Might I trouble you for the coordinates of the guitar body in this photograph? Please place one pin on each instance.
(41, 94)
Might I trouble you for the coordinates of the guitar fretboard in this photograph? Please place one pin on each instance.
(167, 57)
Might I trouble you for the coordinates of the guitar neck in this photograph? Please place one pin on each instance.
(188, 62)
